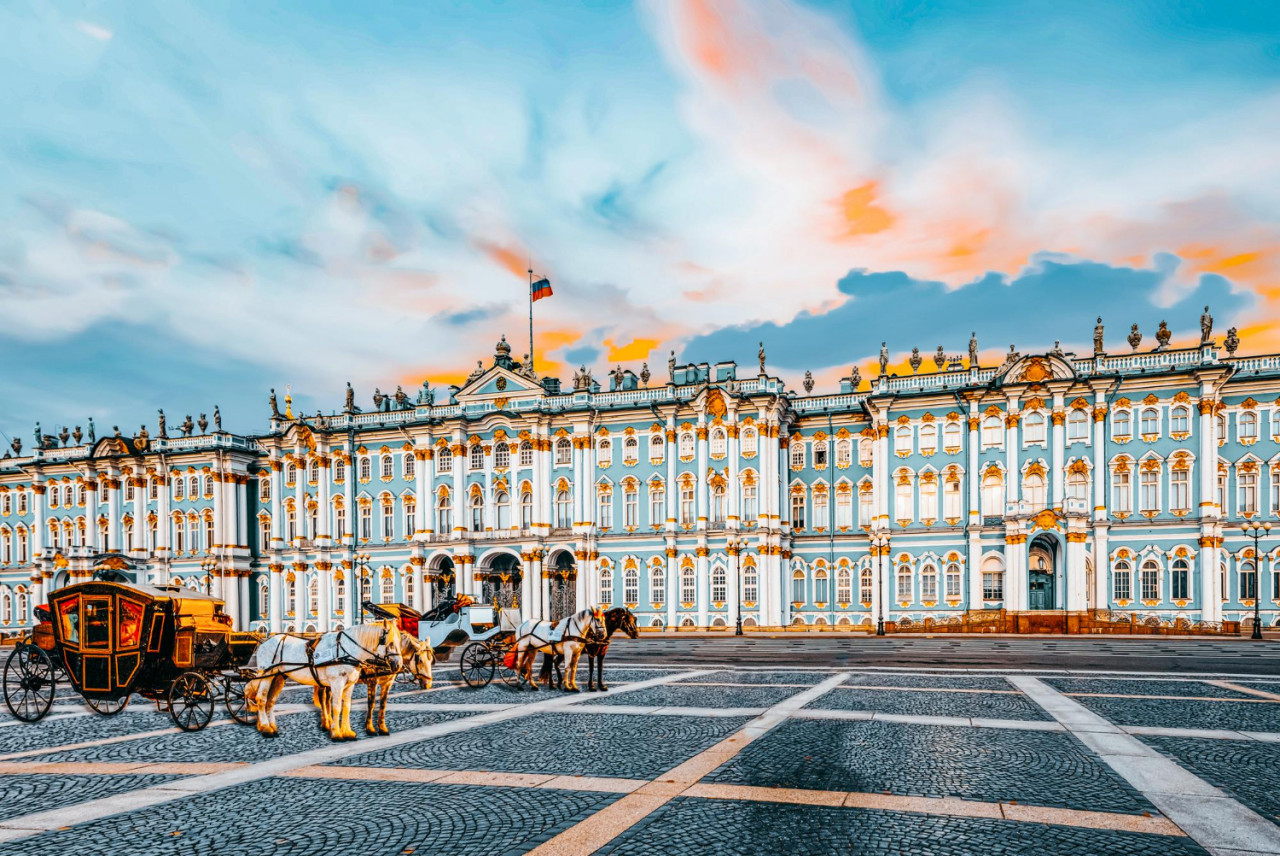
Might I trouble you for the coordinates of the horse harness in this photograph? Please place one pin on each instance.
(380, 663)
(591, 635)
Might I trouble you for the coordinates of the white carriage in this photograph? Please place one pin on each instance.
(486, 636)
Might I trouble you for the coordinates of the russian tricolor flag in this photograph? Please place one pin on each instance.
(541, 288)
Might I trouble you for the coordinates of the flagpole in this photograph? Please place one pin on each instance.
(530, 319)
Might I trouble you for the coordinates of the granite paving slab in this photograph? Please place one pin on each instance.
(985, 705)
(1142, 687)
(1179, 713)
(992, 765)
(563, 743)
(31, 792)
(949, 682)
(1247, 770)
(692, 695)
(693, 826)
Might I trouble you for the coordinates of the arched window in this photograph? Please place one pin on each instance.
(866, 504)
(1033, 428)
(903, 497)
(929, 584)
(477, 512)
(902, 440)
(564, 451)
(208, 487)
(750, 585)
(928, 439)
(820, 454)
(657, 503)
(526, 453)
(797, 587)
(953, 581)
(366, 469)
(1180, 580)
(686, 445)
(388, 593)
(992, 494)
(951, 437)
(1122, 425)
(291, 475)
(501, 455)
(1078, 486)
(749, 441)
(1150, 421)
(903, 587)
(1077, 425)
(606, 586)
(821, 587)
(797, 455)
(564, 516)
(630, 505)
(797, 509)
(719, 585)
(657, 448)
(844, 586)
(1150, 580)
(313, 471)
(264, 534)
(20, 606)
(866, 451)
(718, 443)
(1180, 420)
(657, 585)
(630, 586)
(444, 512)
(630, 450)
(444, 460)
(1122, 581)
(1033, 490)
(502, 509)
(844, 453)
(992, 432)
(1248, 580)
(992, 579)
(526, 510)
(290, 596)
(604, 451)
(864, 586)
(688, 585)
(339, 470)
(410, 467)
(1248, 425)
(477, 457)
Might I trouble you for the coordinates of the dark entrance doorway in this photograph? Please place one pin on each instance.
(442, 582)
(564, 595)
(501, 584)
(1041, 577)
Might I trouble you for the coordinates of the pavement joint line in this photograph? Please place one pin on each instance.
(947, 806)
(1228, 685)
(598, 829)
(104, 741)
(976, 671)
(670, 710)
(1175, 698)
(918, 719)
(1217, 822)
(32, 824)
(53, 718)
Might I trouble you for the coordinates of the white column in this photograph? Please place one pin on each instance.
(700, 458)
(302, 598)
(880, 479)
(1057, 478)
(39, 508)
(162, 514)
(91, 514)
(1210, 543)
(459, 493)
(300, 496)
(277, 505)
(1100, 469)
(733, 498)
(974, 564)
(275, 597)
(324, 609)
(115, 534)
(673, 590)
(1014, 486)
(323, 509)
(703, 565)
(231, 596)
(425, 508)
(673, 487)
(245, 615)
(490, 508)
(139, 537)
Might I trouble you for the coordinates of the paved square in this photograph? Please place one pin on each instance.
(702, 760)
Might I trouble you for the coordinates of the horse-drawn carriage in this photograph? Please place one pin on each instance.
(486, 635)
(110, 640)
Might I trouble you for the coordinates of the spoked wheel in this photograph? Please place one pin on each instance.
(29, 683)
(509, 674)
(477, 665)
(237, 705)
(108, 706)
(191, 701)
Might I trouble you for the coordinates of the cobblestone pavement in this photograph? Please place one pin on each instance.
(706, 759)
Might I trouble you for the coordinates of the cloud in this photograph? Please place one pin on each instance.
(1053, 299)
(94, 31)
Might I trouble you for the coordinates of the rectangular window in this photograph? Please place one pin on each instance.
(821, 518)
(1180, 582)
(844, 509)
(604, 510)
(686, 505)
(903, 589)
(1121, 493)
(993, 585)
(1122, 583)
(366, 523)
(1180, 490)
(657, 506)
(1248, 493)
(820, 455)
(797, 511)
(388, 523)
(1150, 583)
(951, 500)
(1150, 491)
(953, 581)
(631, 508)
(750, 503)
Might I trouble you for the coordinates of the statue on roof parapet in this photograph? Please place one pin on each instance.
(275, 405)
(1097, 337)
(1206, 326)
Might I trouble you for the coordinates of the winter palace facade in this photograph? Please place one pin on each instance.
(1054, 484)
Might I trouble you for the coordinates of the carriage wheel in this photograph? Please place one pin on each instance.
(509, 675)
(191, 701)
(108, 706)
(237, 705)
(29, 683)
(477, 665)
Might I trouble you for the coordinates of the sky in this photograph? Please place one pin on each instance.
(202, 202)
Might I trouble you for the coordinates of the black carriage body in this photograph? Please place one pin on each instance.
(117, 638)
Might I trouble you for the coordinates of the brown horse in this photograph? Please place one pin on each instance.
(615, 619)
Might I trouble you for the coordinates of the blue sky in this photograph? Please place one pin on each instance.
(200, 202)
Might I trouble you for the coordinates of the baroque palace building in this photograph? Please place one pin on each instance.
(1054, 491)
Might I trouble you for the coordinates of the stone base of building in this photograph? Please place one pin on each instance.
(1063, 622)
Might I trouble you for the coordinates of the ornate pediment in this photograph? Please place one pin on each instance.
(1036, 369)
(498, 382)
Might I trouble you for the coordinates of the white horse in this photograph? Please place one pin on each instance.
(418, 661)
(333, 663)
(569, 637)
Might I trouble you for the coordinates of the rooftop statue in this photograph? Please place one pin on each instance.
(1206, 326)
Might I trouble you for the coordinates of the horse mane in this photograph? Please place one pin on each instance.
(367, 636)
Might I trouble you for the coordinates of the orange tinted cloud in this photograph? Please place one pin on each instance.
(710, 41)
(636, 349)
(861, 215)
(514, 259)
